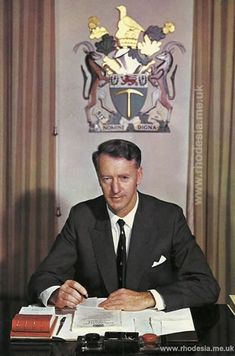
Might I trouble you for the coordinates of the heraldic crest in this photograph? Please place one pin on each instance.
(129, 77)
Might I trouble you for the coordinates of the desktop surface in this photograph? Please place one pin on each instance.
(214, 324)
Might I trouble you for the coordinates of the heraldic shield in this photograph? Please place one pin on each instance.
(128, 93)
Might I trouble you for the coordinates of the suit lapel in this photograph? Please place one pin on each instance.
(104, 251)
(143, 240)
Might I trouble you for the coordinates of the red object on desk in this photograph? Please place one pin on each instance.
(28, 325)
(150, 338)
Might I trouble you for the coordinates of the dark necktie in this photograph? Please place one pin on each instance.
(121, 255)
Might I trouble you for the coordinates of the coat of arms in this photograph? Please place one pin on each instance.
(129, 77)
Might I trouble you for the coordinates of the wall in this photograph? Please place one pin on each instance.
(165, 155)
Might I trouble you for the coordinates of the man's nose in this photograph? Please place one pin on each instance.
(115, 186)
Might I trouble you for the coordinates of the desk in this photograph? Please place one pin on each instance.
(215, 326)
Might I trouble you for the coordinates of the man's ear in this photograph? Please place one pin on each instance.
(139, 175)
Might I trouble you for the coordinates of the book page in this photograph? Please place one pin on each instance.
(35, 309)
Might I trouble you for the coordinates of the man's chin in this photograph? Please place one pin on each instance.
(115, 207)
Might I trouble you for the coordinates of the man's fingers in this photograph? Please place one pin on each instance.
(115, 300)
(125, 299)
(78, 287)
(82, 290)
(61, 303)
(70, 294)
(113, 305)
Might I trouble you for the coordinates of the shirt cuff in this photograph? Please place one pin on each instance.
(45, 295)
(159, 301)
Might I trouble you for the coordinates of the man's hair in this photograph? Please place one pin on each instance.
(119, 149)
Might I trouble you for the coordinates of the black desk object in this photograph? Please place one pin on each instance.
(215, 326)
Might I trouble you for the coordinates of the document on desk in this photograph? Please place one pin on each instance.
(88, 317)
(158, 322)
(94, 319)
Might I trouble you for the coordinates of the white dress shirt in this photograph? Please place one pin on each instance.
(129, 220)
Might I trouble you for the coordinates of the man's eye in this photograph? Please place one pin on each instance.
(106, 179)
(124, 178)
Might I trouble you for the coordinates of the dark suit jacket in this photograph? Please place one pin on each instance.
(84, 251)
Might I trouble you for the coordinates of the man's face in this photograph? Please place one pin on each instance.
(119, 179)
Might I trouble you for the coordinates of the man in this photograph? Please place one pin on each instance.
(159, 263)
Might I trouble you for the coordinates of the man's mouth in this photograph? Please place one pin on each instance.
(115, 198)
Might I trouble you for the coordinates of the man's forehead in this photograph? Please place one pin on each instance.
(104, 157)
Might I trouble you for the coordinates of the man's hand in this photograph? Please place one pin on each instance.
(70, 294)
(126, 299)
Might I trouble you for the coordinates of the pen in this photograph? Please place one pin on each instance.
(62, 320)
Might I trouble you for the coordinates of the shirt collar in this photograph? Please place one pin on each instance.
(129, 218)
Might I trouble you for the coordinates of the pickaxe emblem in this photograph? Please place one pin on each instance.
(129, 91)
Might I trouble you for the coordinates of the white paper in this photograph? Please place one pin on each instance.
(145, 321)
(159, 322)
(91, 302)
(67, 333)
(35, 309)
(88, 317)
